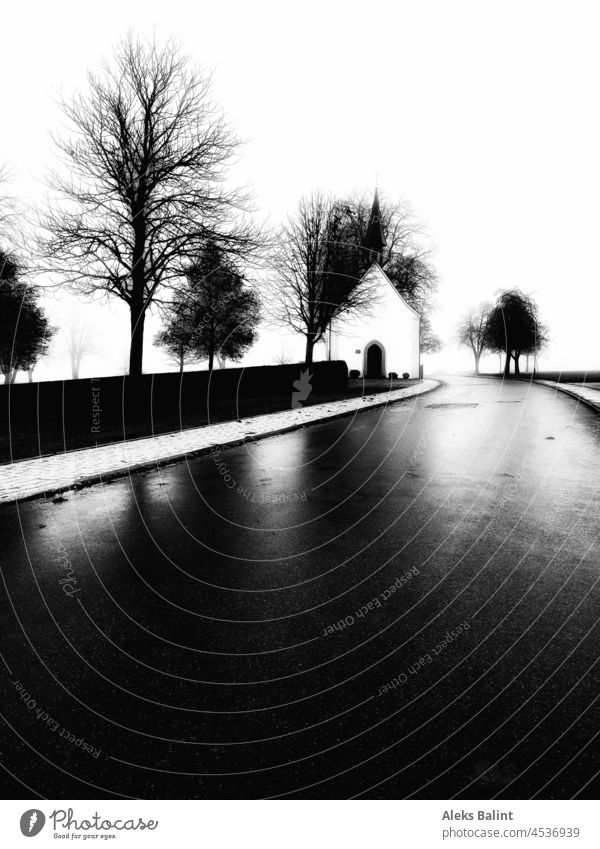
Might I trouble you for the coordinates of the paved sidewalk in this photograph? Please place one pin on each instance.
(50, 475)
(590, 397)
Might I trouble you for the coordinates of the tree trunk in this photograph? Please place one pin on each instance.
(516, 359)
(138, 301)
(13, 375)
(310, 344)
(211, 360)
(477, 357)
(507, 364)
(136, 351)
(30, 374)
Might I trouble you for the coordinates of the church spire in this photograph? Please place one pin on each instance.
(374, 241)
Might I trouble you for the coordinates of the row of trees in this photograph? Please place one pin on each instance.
(144, 184)
(318, 259)
(143, 211)
(511, 327)
(26, 333)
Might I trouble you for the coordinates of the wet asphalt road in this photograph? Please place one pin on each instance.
(402, 603)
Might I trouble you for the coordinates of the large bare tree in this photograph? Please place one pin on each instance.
(143, 187)
(315, 280)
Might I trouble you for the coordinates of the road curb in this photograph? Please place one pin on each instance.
(549, 384)
(87, 481)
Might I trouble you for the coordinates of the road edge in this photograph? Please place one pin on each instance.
(560, 387)
(154, 465)
(549, 384)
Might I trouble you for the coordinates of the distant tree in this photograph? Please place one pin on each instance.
(472, 331)
(416, 280)
(514, 327)
(316, 271)
(281, 359)
(25, 332)
(79, 342)
(541, 339)
(429, 342)
(144, 182)
(214, 315)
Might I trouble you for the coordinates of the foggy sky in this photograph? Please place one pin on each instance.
(483, 115)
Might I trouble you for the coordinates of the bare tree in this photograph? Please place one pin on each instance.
(313, 284)
(79, 342)
(145, 189)
(404, 235)
(472, 331)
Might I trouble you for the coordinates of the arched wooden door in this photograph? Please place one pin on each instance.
(374, 360)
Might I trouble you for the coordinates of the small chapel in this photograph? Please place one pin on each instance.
(381, 340)
(386, 338)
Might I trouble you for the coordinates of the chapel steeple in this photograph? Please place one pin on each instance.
(374, 241)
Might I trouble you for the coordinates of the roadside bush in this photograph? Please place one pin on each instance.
(405, 375)
(393, 375)
(354, 373)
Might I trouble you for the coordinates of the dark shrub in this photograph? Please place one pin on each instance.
(354, 373)
(405, 375)
(392, 375)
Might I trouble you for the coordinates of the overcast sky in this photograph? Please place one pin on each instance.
(484, 115)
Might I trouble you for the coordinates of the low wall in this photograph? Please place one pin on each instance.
(72, 403)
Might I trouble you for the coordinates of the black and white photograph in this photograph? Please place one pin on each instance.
(300, 422)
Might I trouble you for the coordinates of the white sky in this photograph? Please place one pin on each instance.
(483, 114)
